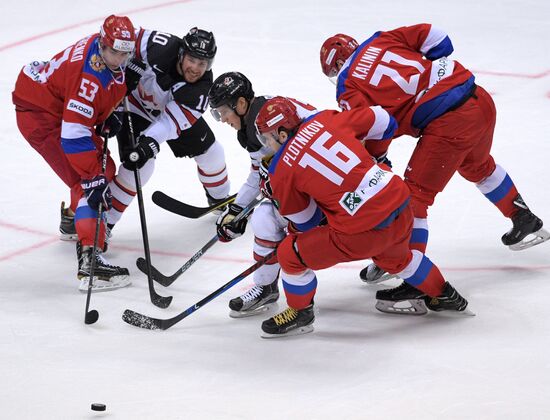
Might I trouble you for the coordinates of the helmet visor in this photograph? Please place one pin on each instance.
(266, 138)
(222, 112)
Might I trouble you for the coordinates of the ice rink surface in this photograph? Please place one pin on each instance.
(358, 363)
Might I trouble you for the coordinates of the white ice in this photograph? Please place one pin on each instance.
(358, 363)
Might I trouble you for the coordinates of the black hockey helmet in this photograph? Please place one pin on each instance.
(228, 88)
(201, 44)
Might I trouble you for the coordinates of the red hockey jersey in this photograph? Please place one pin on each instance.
(405, 71)
(78, 88)
(324, 167)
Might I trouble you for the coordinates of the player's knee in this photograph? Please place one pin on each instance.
(289, 257)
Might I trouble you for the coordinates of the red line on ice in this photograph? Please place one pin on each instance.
(138, 250)
(87, 22)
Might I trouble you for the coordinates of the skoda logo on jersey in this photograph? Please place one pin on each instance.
(351, 202)
(97, 63)
(80, 108)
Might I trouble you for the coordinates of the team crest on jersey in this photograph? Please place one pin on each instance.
(96, 63)
(351, 202)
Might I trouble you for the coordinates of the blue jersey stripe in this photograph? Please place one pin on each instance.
(443, 49)
(392, 128)
(311, 223)
(78, 145)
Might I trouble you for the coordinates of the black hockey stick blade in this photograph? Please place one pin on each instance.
(168, 280)
(91, 317)
(186, 210)
(160, 278)
(143, 321)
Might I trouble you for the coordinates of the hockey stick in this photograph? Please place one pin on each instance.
(158, 300)
(143, 321)
(168, 280)
(92, 316)
(186, 210)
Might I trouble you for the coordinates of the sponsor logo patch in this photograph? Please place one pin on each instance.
(351, 202)
(80, 108)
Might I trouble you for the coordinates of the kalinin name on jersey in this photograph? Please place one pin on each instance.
(365, 63)
(300, 140)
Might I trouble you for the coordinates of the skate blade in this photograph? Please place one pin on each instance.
(384, 277)
(245, 314)
(414, 307)
(68, 236)
(298, 331)
(535, 238)
(104, 286)
(454, 314)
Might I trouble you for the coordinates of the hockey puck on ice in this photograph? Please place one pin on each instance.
(99, 407)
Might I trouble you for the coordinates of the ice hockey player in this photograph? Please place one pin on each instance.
(61, 106)
(321, 168)
(173, 76)
(232, 102)
(436, 99)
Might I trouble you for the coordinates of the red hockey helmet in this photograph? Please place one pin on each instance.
(118, 33)
(276, 113)
(337, 47)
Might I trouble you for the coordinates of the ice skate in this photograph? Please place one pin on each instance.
(372, 274)
(257, 300)
(448, 300)
(214, 201)
(526, 232)
(66, 226)
(106, 276)
(289, 322)
(403, 300)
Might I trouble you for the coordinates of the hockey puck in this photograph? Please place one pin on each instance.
(99, 407)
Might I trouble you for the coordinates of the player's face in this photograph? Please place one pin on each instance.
(192, 68)
(272, 139)
(114, 59)
(227, 115)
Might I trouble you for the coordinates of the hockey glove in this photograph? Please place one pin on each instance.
(97, 191)
(227, 231)
(111, 126)
(134, 70)
(146, 149)
(265, 184)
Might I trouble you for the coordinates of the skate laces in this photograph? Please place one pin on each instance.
(252, 294)
(101, 259)
(289, 314)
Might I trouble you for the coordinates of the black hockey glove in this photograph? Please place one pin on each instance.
(97, 191)
(147, 148)
(265, 184)
(383, 159)
(227, 231)
(111, 126)
(134, 70)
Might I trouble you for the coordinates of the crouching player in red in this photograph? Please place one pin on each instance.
(63, 107)
(320, 168)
